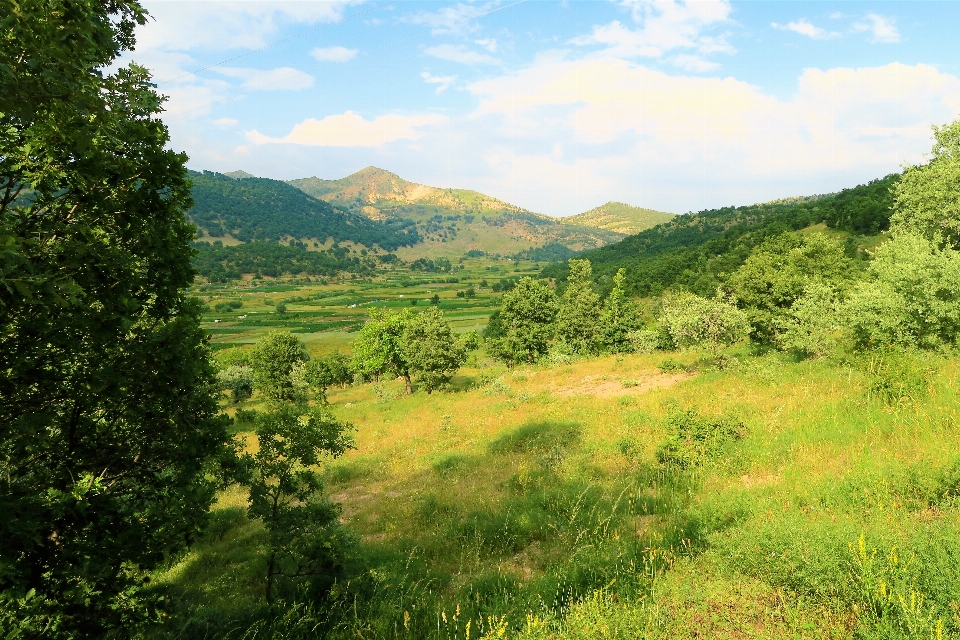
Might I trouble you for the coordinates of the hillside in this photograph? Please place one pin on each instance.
(619, 218)
(259, 209)
(695, 250)
(451, 221)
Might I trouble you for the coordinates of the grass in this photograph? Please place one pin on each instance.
(812, 499)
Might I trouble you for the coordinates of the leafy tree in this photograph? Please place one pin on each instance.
(620, 318)
(693, 321)
(430, 349)
(912, 298)
(527, 314)
(470, 292)
(578, 315)
(815, 323)
(927, 198)
(281, 308)
(108, 421)
(379, 347)
(306, 540)
(776, 275)
(274, 358)
(435, 299)
(323, 373)
(238, 380)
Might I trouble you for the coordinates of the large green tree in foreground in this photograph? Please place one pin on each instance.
(107, 423)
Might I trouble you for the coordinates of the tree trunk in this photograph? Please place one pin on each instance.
(406, 378)
(271, 565)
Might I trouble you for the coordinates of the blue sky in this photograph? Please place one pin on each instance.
(561, 106)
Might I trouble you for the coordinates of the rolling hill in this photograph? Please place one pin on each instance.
(452, 221)
(619, 218)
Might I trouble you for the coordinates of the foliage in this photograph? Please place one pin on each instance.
(217, 263)
(305, 536)
(527, 314)
(238, 380)
(694, 440)
(323, 373)
(379, 347)
(815, 324)
(776, 275)
(578, 314)
(912, 299)
(281, 308)
(696, 250)
(430, 349)
(692, 321)
(550, 252)
(274, 358)
(261, 209)
(620, 321)
(107, 418)
(928, 196)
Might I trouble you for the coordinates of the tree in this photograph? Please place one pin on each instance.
(912, 298)
(470, 292)
(435, 299)
(620, 318)
(281, 308)
(777, 273)
(238, 380)
(927, 198)
(527, 313)
(379, 347)
(108, 420)
(692, 321)
(306, 539)
(274, 358)
(815, 321)
(578, 315)
(430, 349)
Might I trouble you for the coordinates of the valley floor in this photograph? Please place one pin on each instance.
(532, 503)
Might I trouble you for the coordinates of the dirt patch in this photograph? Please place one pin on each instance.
(611, 388)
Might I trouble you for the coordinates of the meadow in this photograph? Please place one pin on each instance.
(626, 496)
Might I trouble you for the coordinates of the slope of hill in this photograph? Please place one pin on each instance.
(695, 250)
(619, 218)
(451, 221)
(250, 209)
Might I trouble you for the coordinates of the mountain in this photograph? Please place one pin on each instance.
(248, 209)
(451, 221)
(239, 174)
(696, 250)
(619, 218)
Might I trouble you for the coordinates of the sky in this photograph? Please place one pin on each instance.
(559, 107)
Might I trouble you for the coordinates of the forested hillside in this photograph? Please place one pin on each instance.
(259, 209)
(217, 263)
(694, 250)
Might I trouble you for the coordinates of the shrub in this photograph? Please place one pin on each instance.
(694, 440)
(692, 321)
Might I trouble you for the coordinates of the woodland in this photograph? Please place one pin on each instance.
(740, 423)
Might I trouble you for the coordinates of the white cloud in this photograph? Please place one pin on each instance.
(221, 26)
(665, 25)
(333, 54)
(459, 53)
(443, 82)
(694, 63)
(805, 28)
(279, 79)
(226, 122)
(881, 28)
(488, 43)
(351, 130)
(458, 19)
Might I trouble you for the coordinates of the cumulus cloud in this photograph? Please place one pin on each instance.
(805, 28)
(665, 25)
(333, 54)
(443, 82)
(459, 53)
(350, 129)
(881, 28)
(279, 79)
(487, 43)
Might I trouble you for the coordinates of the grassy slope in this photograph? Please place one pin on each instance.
(571, 529)
(380, 195)
(620, 217)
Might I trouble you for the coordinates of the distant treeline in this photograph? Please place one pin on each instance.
(261, 209)
(219, 263)
(694, 250)
(552, 252)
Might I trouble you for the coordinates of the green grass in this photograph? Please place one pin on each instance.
(812, 499)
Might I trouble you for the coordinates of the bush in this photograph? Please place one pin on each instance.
(692, 321)
(694, 440)
(645, 340)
